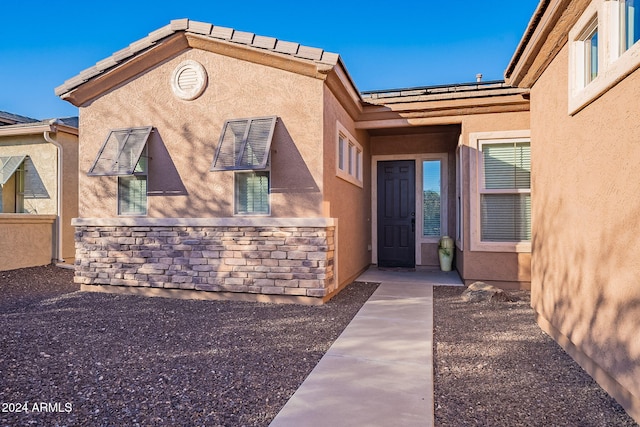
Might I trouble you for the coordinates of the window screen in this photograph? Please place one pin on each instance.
(8, 166)
(121, 152)
(244, 144)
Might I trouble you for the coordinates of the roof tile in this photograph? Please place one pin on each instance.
(287, 47)
(330, 58)
(200, 27)
(106, 63)
(264, 42)
(141, 44)
(160, 33)
(242, 37)
(89, 72)
(312, 53)
(222, 32)
(123, 54)
(179, 24)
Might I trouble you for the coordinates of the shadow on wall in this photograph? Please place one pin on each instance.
(587, 289)
(164, 179)
(290, 171)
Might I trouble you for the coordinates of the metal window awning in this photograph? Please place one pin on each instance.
(8, 166)
(244, 144)
(121, 152)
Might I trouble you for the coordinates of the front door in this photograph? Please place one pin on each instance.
(396, 213)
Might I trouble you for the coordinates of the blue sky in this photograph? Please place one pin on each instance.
(384, 44)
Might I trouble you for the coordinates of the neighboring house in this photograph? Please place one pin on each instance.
(218, 163)
(38, 190)
(581, 61)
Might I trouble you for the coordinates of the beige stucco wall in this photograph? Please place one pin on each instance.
(586, 251)
(42, 163)
(26, 240)
(69, 143)
(504, 269)
(343, 200)
(187, 132)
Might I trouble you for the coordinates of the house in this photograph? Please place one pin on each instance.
(580, 61)
(216, 163)
(38, 190)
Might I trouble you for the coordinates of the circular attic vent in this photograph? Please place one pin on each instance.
(189, 80)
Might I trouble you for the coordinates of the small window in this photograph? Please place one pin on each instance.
(124, 154)
(12, 179)
(431, 198)
(590, 46)
(349, 157)
(252, 193)
(629, 24)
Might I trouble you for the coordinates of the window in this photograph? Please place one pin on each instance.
(124, 154)
(431, 198)
(603, 49)
(590, 45)
(500, 191)
(12, 179)
(244, 147)
(629, 24)
(349, 157)
(252, 193)
(505, 193)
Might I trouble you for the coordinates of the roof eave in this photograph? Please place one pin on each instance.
(544, 37)
(183, 34)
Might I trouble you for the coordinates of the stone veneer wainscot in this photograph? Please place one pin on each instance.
(288, 260)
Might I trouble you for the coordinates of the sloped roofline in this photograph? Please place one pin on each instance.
(294, 50)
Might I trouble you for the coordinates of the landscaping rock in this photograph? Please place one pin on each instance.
(480, 291)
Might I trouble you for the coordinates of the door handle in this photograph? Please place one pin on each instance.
(413, 225)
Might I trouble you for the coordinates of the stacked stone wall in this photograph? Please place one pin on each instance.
(295, 261)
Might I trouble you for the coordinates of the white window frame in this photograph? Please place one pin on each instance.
(235, 193)
(350, 151)
(476, 141)
(614, 62)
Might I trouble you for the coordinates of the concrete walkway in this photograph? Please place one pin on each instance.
(379, 372)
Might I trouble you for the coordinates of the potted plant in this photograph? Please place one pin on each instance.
(445, 253)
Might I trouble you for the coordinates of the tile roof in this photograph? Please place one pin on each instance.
(67, 121)
(212, 31)
(11, 119)
(453, 91)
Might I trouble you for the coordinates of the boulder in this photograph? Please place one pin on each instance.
(480, 291)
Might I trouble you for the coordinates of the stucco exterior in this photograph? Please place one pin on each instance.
(186, 134)
(315, 100)
(585, 266)
(51, 189)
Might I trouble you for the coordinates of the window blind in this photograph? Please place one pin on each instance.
(132, 195)
(507, 166)
(506, 200)
(252, 193)
(506, 217)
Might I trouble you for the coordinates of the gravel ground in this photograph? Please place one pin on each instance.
(105, 360)
(88, 359)
(494, 366)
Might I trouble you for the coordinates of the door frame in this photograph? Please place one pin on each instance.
(444, 211)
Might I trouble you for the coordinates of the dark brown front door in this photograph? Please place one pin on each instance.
(396, 213)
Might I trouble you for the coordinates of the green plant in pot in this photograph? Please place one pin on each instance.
(445, 253)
